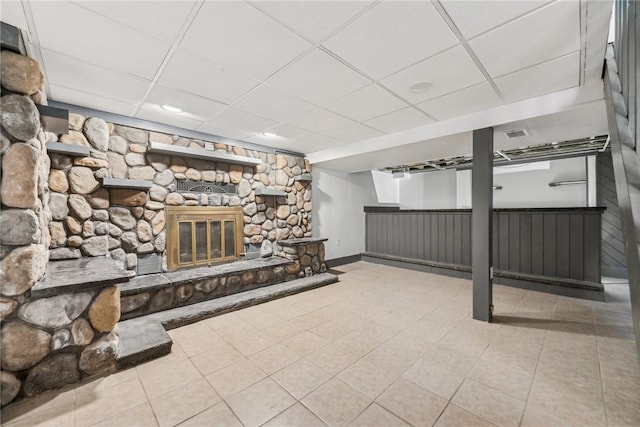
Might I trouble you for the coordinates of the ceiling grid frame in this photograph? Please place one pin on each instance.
(195, 9)
(463, 42)
(332, 23)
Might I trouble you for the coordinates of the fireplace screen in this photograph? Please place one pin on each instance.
(201, 235)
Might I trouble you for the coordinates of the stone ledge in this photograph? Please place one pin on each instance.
(79, 275)
(126, 183)
(69, 149)
(301, 241)
(269, 191)
(199, 153)
(304, 178)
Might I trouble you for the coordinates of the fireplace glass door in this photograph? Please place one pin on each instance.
(203, 236)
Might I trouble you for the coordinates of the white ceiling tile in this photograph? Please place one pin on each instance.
(292, 132)
(366, 103)
(295, 139)
(320, 120)
(71, 30)
(318, 78)
(399, 121)
(548, 33)
(226, 132)
(313, 20)
(318, 143)
(464, 101)
(72, 73)
(447, 72)
(234, 123)
(561, 73)
(352, 133)
(13, 14)
(240, 37)
(285, 134)
(391, 36)
(154, 114)
(161, 20)
(273, 104)
(90, 100)
(194, 106)
(475, 17)
(197, 75)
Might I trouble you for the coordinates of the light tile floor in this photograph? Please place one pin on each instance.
(383, 347)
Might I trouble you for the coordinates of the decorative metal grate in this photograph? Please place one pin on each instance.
(187, 185)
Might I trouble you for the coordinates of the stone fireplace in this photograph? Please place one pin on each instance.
(203, 235)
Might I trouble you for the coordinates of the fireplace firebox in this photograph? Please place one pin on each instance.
(203, 235)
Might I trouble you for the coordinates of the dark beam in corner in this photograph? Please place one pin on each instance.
(11, 39)
(481, 224)
(54, 120)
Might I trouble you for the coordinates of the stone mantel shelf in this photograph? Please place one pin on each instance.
(199, 153)
(269, 191)
(79, 275)
(68, 149)
(126, 183)
(301, 241)
(304, 178)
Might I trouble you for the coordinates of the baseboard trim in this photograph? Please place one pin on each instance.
(349, 259)
(617, 272)
(570, 288)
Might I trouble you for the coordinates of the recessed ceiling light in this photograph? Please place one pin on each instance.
(269, 135)
(420, 87)
(171, 108)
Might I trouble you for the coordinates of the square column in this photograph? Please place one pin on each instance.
(481, 224)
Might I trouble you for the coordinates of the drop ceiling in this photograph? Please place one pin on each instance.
(331, 79)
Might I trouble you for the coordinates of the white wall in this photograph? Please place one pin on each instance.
(338, 210)
(429, 190)
(531, 189)
(386, 187)
(528, 187)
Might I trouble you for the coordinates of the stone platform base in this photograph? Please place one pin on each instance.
(153, 293)
(145, 338)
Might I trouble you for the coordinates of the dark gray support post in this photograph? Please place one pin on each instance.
(481, 224)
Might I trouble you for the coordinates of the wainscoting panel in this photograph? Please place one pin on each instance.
(559, 243)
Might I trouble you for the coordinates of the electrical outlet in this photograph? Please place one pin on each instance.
(338, 242)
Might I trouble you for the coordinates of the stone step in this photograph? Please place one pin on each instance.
(145, 338)
(141, 340)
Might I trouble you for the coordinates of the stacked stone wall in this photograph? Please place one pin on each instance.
(307, 256)
(54, 207)
(45, 343)
(90, 220)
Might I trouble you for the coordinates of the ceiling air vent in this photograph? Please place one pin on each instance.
(517, 133)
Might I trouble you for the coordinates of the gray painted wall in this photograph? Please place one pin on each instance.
(613, 258)
(553, 243)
